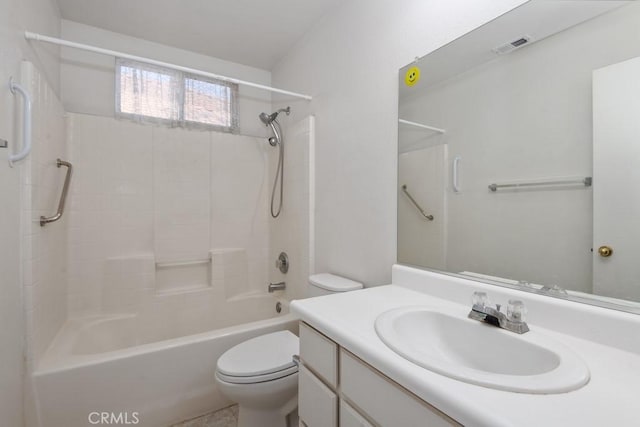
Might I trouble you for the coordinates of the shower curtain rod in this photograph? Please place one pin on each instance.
(42, 38)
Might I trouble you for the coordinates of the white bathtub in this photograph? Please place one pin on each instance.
(157, 376)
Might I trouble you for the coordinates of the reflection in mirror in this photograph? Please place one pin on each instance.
(522, 140)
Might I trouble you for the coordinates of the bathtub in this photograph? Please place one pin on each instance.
(120, 365)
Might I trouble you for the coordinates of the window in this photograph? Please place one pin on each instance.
(159, 95)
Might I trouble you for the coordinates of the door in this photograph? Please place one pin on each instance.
(616, 180)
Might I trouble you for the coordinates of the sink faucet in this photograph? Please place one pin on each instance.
(512, 321)
(277, 286)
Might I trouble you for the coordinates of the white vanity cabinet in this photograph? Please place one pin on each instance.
(317, 379)
(336, 388)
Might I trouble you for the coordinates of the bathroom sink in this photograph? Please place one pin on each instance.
(467, 350)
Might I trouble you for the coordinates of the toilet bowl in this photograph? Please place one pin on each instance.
(261, 375)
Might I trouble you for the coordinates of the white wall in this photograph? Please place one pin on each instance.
(16, 17)
(349, 63)
(420, 241)
(88, 80)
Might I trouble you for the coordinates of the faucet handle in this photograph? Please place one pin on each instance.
(516, 311)
(479, 299)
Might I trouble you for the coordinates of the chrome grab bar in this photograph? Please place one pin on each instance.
(63, 198)
(424, 214)
(586, 181)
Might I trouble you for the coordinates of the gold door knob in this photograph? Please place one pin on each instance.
(605, 251)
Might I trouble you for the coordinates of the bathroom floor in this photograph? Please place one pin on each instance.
(227, 417)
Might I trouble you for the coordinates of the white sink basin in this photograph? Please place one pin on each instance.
(481, 354)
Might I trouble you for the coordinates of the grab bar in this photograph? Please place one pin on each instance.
(63, 198)
(456, 171)
(406, 192)
(586, 181)
(26, 124)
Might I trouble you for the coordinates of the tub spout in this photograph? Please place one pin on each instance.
(277, 287)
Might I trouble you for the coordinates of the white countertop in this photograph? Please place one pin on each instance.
(612, 396)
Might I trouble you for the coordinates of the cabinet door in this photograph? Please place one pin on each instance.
(349, 417)
(317, 404)
(319, 353)
(390, 405)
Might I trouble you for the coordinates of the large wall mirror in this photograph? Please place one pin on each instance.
(519, 153)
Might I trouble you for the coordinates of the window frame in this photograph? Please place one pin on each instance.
(181, 84)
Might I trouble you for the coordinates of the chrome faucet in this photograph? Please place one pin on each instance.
(277, 286)
(512, 321)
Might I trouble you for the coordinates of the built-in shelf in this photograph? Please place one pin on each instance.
(421, 126)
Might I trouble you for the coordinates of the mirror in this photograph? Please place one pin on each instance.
(519, 153)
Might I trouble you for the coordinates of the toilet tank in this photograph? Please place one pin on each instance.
(326, 284)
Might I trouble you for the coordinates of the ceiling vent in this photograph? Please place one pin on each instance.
(513, 45)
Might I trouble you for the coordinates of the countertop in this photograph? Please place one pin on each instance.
(611, 397)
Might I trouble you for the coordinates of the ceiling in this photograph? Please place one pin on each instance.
(251, 32)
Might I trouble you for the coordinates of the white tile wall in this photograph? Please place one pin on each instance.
(44, 276)
(240, 190)
(17, 16)
(145, 195)
(181, 194)
(111, 207)
(230, 272)
(291, 231)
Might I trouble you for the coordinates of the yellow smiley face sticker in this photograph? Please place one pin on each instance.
(412, 76)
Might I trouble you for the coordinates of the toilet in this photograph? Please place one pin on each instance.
(326, 284)
(261, 375)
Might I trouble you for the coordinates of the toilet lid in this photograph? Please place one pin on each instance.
(334, 283)
(262, 355)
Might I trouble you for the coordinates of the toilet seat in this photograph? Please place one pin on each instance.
(257, 378)
(264, 358)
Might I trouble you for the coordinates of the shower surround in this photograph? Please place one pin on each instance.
(163, 256)
(156, 212)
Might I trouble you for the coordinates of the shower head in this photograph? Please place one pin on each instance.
(267, 119)
(276, 140)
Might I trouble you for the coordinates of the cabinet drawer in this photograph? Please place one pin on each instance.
(390, 405)
(319, 353)
(317, 404)
(349, 417)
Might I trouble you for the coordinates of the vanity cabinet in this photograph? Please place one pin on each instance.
(336, 388)
(320, 406)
